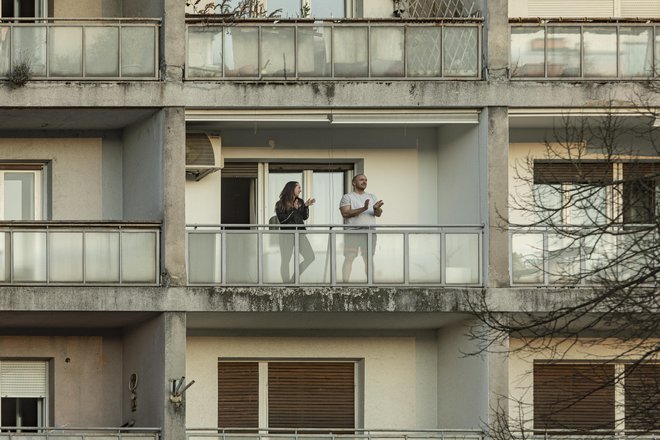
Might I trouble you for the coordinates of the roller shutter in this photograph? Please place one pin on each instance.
(642, 397)
(238, 394)
(573, 397)
(23, 379)
(570, 8)
(572, 172)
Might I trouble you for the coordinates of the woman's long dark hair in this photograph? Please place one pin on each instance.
(287, 197)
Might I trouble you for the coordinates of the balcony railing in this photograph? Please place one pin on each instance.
(82, 253)
(80, 49)
(327, 50)
(332, 255)
(585, 51)
(583, 256)
(24, 433)
(330, 434)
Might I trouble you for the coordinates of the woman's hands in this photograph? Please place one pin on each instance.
(310, 201)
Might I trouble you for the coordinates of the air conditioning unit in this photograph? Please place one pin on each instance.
(203, 155)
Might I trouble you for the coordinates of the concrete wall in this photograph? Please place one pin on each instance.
(143, 354)
(76, 168)
(143, 169)
(111, 177)
(87, 375)
(144, 8)
(399, 388)
(460, 175)
(462, 380)
(203, 200)
(87, 8)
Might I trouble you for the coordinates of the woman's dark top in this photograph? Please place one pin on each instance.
(292, 216)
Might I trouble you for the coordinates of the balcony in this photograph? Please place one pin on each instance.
(80, 253)
(249, 255)
(590, 50)
(331, 434)
(328, 50)
(582, 256)
(14, 433)
(107, 49)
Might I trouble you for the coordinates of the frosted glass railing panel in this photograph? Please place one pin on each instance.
(102, 257)
(598, 252)
(328, 254)
(350, 51)
(424, 266)
(462, 258)
(657, 51)
(241, 51)
(563, 259)
(527, 51)
(460, 51)
(65, 256)
(241, 258)
(29, 46)
(563, 51)
(29, 257)
(101, 51)
(600, 52)
(636, 51)
(138, 256)
(388, 266)
(527, 258)
(5, 257)
(387, 51)
(5, 50)
(278, 49)
(65, 51)
(314, 51)
(606, 50)
(423, 48)
(138, 49)
(204, 257)
(204, 52)
(352, 255)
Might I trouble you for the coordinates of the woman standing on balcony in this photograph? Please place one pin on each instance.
(292, 210)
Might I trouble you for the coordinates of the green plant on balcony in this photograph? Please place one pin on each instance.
(242, 9)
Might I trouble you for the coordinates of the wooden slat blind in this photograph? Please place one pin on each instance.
(641, 170)
(311, 394)
(240, 169)
(573, 397)
(238, 394)
(642, 397)
(573, 172)
(288, 167)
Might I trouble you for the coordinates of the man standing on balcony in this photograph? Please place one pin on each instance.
(359, 209)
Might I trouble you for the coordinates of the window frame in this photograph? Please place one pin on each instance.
(43, 402)
(38, 170)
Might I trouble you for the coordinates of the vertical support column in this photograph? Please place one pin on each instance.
(496, 39)
(174, 415)
(498, 387)
(173, 250)
(172, 40)
(494, 135)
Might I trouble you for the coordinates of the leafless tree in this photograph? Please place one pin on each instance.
(232, 9)
(584, 214)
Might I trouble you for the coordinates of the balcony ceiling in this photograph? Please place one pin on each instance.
(68, 322)
(70, 118)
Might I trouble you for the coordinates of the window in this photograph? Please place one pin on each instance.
(21, 191)
(577, 397)
(286, 394)
(24, 391)
(641, 192)
(308, 8)
(572, 192)
(243, 201)
(24, 8)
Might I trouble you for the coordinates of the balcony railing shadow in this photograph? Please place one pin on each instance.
(89, 49)
(327, 255)
(79, 253)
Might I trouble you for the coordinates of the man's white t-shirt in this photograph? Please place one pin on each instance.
(356, 201)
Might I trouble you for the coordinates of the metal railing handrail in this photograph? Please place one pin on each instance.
(88, 429)
(338, 430)
(335, 225)
(32, 20)
(52, 224)
(224, 19)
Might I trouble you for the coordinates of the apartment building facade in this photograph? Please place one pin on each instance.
(141, 160)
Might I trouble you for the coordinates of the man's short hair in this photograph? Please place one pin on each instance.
(355, 178)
